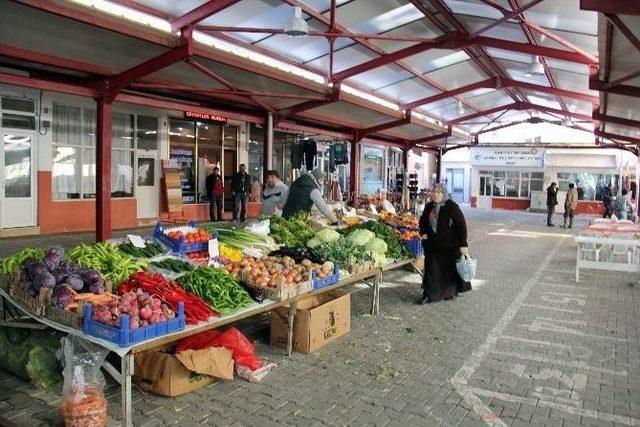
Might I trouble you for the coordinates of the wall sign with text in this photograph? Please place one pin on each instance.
(505, 156)
(198, 115)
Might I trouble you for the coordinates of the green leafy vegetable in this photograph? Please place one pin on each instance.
(395, 248)
(217, 288)
(360, 237)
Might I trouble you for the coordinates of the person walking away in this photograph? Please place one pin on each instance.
(241, 187)
(444, 239)
(215, 192)
(552, 201)
(304, 194)
(607, 195)
(623, 207)
(274, 194)
(570, 203)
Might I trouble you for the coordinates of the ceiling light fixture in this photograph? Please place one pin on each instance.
(296, 26)
(535, 67)
(460, 108)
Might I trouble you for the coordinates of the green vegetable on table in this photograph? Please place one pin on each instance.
(13, 263)
(294, 232)
(217, 288)
(240, 239)
(175, 265)
(395, 248)
(114, 265)
(151, 250)
(342, 252)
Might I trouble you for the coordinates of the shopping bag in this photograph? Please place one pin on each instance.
(466, 266)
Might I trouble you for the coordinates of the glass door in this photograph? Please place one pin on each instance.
(485, 193)
(17, 180)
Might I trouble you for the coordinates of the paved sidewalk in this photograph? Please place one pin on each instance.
(528, 346)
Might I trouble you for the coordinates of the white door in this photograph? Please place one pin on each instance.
(147, 183)
(485, 193)
(17, 180)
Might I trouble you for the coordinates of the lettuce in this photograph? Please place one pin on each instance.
(376, 245)
(328, 235)
(360, 237)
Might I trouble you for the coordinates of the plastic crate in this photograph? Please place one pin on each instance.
(181, 246)
(123, 336)
(327, 281)
(415, 246)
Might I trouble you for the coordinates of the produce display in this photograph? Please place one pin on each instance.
(12, 263)
(196, 310)
(142, 308)
(114, 265)
(198, 236)
(241, 239)
(216, 287)
(172, 264)
(273, 271)
(151, 250)
(342, 252)
(395, 220)
(395, 248)
(64, 278)
(230, 253)
(201, 257)
(293, 233)
(300, 254)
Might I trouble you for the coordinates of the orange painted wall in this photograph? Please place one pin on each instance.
(200, 212)
(589, 208)
(510, 204)
(78, 215)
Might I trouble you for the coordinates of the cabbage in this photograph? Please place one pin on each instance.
(44, 279)
(75, 282)
(97, 287)
(328, 235)
(62, 296)
(314, 243)
(52, 260)
(378, 258)
(35, 269)
(60, 275)
(377, 245)
(360, 237)
(90, 276)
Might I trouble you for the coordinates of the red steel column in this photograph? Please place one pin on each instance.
(354, 170)
(103, 170)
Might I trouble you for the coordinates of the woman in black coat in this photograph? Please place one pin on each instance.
(444, 239)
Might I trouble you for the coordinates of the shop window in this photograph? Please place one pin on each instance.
(256, 154)
(74, 154)
(209, 155)
(147, 133)
(18, 121)
(21, 105)
(182, 136)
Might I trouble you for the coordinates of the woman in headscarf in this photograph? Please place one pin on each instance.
(444, 239)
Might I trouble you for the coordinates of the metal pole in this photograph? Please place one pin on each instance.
(267, 147)
(637, 180)
(103, 172)
(438, 164)
(354, 170)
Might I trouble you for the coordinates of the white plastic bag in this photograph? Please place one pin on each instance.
(466, 267)
(261, 227)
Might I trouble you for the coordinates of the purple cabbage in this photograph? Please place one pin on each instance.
(35, 269)
(97, 288)
(52, 260)
(90, 276)
(75, 281)
(44, 279)
(62, 296)
(31, 290)
(60, 275)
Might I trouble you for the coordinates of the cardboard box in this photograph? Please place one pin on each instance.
(164, 374)
(320, 319)
(214, 361)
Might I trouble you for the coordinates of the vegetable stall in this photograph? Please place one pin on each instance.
(131, 296)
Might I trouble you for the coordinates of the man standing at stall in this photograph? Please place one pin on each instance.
(274, 194)
(241, 187)
(570, 204)
(215, 192)
(304, 193)
(607, 200)
(552, 201)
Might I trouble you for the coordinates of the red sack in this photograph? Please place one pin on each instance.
(243, 351)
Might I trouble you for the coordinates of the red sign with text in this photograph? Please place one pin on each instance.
(197, 115)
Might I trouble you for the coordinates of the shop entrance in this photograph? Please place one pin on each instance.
(486, 191)
(17, 180)
(228, 169)
(455, 184)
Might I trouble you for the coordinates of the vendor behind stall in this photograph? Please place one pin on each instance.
(304, 193)
(274, 194)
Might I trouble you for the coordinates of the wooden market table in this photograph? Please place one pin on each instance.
(371, 277)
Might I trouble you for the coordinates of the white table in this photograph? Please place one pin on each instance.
(610, 253)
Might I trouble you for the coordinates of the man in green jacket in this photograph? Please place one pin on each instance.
(304, 193)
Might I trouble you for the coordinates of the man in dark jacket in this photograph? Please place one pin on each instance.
(241, 187)
(552, 201)
(215, 193)
(304, 194)
(607, 196)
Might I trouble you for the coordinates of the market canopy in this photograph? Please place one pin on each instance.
(404, 72)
